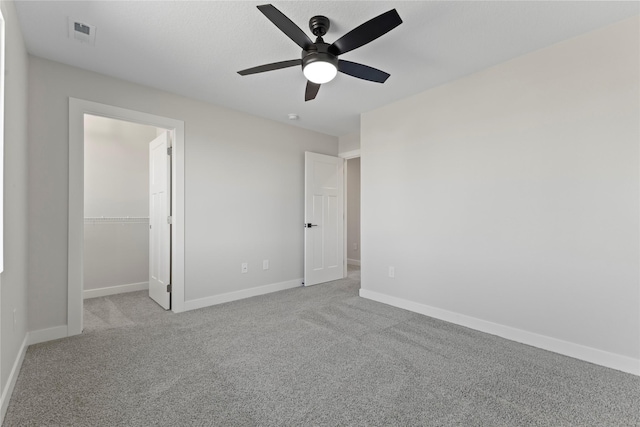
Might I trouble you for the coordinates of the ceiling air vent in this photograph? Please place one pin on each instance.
(82, 32)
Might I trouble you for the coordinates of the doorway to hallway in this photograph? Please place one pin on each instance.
(353, 215)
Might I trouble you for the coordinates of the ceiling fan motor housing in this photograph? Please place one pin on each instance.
(318, 52)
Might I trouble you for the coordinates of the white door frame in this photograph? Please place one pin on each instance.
(346, 156)
(77, 109)
(4, 401)
(2, 101)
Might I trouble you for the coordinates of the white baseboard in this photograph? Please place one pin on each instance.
(353, 261)
(578, 351)
(13, 377)
(112, 290)
(33, 337)
(245, 293)
(49, 334)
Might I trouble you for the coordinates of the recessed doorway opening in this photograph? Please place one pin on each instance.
(353, 248)
(171, 216)
(116, 214)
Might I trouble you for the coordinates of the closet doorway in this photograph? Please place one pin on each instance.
(78, 108)
(118, 241)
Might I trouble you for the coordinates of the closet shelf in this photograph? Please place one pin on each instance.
(117, 219)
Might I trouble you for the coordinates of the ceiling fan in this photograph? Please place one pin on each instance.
(319, 61)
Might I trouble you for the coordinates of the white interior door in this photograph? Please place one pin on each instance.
(324, 219)
(159, 223)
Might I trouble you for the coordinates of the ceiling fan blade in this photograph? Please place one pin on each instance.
(362, 71)
(271, 67)
(286, 25)
(311, 91)
(367, 32)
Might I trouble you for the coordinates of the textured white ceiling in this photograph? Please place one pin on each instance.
(195, 48)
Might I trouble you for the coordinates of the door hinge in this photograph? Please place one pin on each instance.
(169, 150)
(169, 220)
(169, 287)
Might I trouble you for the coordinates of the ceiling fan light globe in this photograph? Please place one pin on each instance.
(320, 72)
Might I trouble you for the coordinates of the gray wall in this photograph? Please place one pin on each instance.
(116, 184)
(13, 280)
(115, 254)
(353, 209)
(512, 195)
(349, 142)
(243, 197)
(116, 172)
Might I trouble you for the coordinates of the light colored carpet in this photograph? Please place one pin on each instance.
(305, 356)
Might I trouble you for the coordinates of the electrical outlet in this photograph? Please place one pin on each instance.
(392, 272)
(245, 267)
(265, 264)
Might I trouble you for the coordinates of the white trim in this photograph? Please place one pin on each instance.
(242, 294)
(350, 154)
(345, 223)
(2, 111)
(578, 351)
(4, 400)
(77, 109)
(13, 377)
(49, 334)
(117, 220)
(113, 290)
(353, 261)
